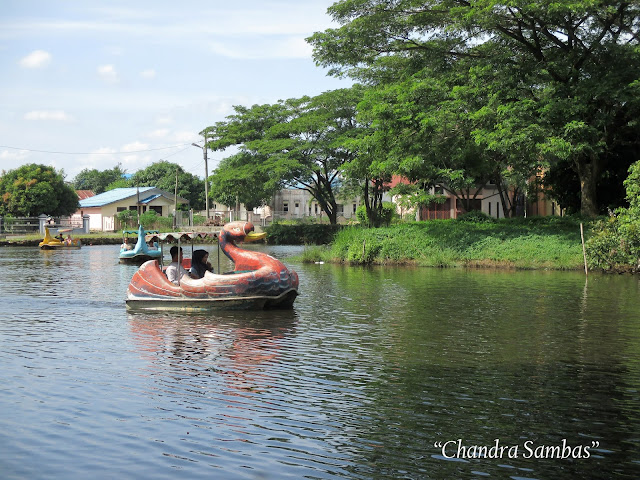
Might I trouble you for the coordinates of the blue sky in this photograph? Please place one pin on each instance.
(90, 84)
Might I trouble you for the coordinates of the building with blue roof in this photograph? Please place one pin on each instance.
(103, 208)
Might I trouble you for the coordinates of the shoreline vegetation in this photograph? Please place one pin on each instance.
(549, 243)
(534, 243)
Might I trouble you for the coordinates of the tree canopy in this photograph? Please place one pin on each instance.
(524, 84)
(98, 180)
(298, 143)
(32, 190)
(162, 175)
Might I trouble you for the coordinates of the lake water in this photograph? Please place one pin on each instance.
(377, 373)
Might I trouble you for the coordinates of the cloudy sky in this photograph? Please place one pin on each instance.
(90, 84)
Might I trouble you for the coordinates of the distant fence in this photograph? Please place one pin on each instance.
(35, 225)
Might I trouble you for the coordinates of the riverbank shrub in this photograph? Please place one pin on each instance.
(476, 216)
(615, 243)
(550, 243)
(301, 233)
(384, 217)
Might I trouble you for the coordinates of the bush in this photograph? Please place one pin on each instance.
(475, 216)
(385, 217)
(301, 233)
(615, 243)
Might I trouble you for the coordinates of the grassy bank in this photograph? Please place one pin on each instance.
(534, 243)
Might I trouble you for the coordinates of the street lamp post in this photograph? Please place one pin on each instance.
(206, 174)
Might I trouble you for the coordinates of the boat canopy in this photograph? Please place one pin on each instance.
(179, 236)
(135, 232)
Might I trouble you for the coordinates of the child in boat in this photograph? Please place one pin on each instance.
(200, 264)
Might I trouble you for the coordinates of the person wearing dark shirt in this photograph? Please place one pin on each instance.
(200, 264)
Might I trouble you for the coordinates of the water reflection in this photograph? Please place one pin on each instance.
(232, 346)
(370, 369)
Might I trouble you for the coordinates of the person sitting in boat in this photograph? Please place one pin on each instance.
(200, 264)
(152, 245)
(126, 245)
(67, 241)
(175, 270)
(60, 237)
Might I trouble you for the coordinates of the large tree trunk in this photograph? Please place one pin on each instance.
(588, 172)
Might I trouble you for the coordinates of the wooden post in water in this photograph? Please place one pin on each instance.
(584, 251)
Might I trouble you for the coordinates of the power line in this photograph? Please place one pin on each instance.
(97, 153)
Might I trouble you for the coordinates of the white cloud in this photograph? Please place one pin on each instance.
(36, 59)
(150, 73)
(135, 147)
(55, 115)
(160, 133)
(13, 155)
(184, 136)
(270, 47)
(108, 73)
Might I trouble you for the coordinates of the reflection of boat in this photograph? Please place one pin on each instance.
(141, 252)
(258, 281)
(53, 243)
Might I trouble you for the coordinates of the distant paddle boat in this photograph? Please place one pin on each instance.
(140, 252)
(258, 280)
(55, 243)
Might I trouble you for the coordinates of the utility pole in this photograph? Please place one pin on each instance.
(175, 203)
(206, 173)
(206, 176)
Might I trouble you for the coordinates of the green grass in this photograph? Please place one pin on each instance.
(535, 243)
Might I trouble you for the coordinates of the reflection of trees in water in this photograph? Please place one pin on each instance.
(236, 348)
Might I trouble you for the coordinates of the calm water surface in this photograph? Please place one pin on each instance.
(379, 373)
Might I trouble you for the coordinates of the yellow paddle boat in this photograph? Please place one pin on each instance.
(59, 243)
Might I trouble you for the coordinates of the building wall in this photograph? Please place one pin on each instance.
(292, 203)
(102, 218)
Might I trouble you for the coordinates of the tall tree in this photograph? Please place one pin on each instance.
(236, 180)
(32, 190)
(96, 180)
(162, 175)
(576, 61)
(299, 143)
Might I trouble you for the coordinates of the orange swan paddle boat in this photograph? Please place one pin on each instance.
(258, 281)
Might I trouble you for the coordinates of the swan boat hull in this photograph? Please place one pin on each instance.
(282, 301)
(141, 252)
(137, 258)
(150, 289)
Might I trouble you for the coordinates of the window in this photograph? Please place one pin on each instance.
(285, 207)
(354, 208)
(121, 209)
(157, 209)
(315, 208)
